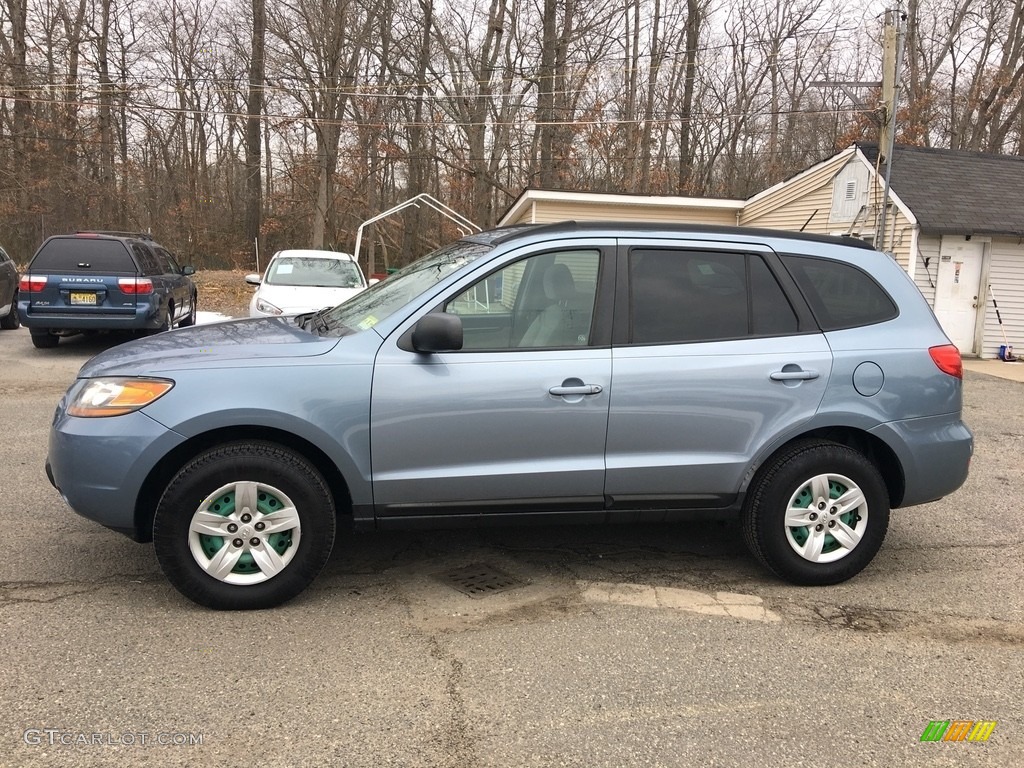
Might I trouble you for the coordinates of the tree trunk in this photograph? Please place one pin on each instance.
(253, 123)
(694, 21)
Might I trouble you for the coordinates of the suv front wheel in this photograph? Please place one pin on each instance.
(243, 526)
(817, 513)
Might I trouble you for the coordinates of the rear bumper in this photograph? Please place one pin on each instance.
(935, 453)
(143, 317)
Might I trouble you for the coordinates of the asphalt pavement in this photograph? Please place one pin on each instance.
(615, 646)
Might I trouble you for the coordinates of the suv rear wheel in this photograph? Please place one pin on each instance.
(817, 514)
(261, 530)
(44, 339)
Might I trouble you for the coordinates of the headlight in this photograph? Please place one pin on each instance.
(267, 307)
(114, 395)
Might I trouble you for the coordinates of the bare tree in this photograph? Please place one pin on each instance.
(253, 121)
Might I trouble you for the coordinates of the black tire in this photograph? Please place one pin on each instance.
(166, 323)
(799, 478)
(191, 319)
(12, 321)
(249, 469)
(44, 339)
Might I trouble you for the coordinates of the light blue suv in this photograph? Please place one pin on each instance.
(569, 372)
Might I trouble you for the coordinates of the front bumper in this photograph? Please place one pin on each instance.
(99, 465)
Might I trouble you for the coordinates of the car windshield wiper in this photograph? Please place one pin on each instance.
(314, 319)
(301, 320)
(320, 322)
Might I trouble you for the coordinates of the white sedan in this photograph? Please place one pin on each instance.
(298, 281)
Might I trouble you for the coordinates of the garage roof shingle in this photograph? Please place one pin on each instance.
(957, 192)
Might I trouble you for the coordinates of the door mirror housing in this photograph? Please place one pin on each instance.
(437, 332)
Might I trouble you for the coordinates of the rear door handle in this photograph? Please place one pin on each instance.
(581, 389)
(797, 375)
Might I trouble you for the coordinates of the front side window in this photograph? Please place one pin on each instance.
(689, 296)
(167, 262)
(544, 301)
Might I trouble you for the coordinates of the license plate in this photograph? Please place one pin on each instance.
(80, 297)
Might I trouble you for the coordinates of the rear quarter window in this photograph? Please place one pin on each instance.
(83, 255)
(840, 295)
(146, 259)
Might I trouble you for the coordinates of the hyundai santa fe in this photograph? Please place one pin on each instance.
(593, 372)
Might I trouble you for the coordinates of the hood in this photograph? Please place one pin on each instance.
(204, 346)
(296, 299)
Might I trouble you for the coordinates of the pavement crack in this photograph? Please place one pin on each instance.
(456, 736)
(947, 626)
(44, 592)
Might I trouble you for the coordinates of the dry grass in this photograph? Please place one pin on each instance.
(224, 291)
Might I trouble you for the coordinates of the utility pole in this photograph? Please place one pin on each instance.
(893, 35)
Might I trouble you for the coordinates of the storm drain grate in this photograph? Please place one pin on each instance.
(480, 580)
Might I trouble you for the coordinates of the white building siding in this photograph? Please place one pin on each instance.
(927, 269)
(1006, 277)
(790, 205)
(550, 211)
(900, 238)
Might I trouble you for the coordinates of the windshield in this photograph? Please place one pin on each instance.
(323, 272)
(366, 309)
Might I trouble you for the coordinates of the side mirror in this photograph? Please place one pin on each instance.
(188, 270)
(252, 279)
(437, 332)
(373, 281)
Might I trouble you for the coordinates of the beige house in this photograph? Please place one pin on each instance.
(955, 223)
(545, 206)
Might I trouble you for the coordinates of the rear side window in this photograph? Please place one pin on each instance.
(680, 296)
(79, 254)
(840, 295)
(146, 259)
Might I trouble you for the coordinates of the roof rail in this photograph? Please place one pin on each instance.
(114, 233)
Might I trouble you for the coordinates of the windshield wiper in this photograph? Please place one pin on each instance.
(320, 322)
(301, 320)
(314, 319)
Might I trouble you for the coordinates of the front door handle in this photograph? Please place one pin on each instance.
(580, 389)
(797, 375)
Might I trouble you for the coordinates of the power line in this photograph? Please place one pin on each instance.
(654, 121)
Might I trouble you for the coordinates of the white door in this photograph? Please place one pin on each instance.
(958, 290)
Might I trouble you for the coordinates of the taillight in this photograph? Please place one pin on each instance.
(30, 283)
(947, 359)
(135, 285)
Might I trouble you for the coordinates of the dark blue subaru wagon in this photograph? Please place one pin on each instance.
(104, 281)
